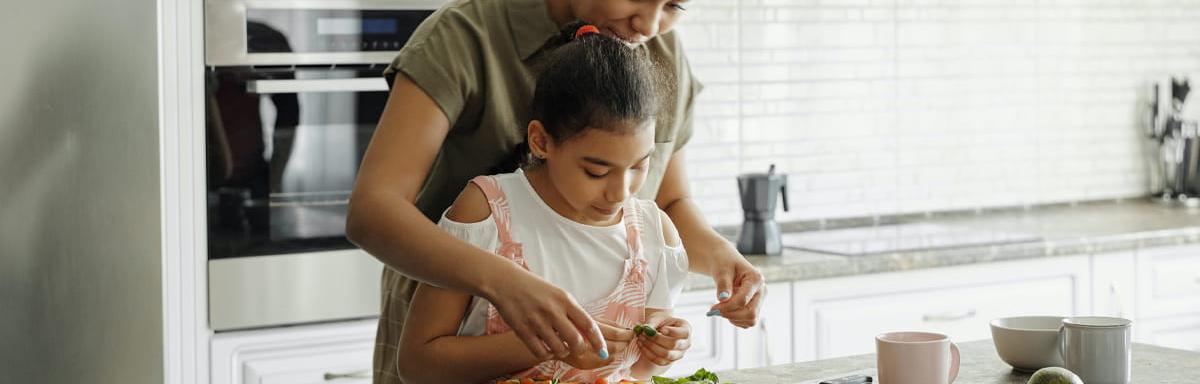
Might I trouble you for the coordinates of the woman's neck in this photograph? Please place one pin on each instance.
(560, 12)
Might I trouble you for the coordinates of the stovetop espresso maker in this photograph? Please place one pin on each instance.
(759, 192)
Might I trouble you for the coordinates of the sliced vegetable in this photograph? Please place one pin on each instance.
(644, 330)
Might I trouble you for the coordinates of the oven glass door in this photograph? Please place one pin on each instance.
(284, 146)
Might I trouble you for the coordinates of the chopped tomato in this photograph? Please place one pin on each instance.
(600, 380)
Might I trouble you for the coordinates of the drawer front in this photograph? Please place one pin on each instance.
(339, 353)
(348, 363)
(713, 346)
(1169, 281)
(849, 327)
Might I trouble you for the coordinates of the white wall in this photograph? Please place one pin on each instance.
(898, 106)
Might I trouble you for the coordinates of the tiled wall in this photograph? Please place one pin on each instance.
(898, 106)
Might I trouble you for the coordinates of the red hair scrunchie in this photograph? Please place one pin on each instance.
(586, 30)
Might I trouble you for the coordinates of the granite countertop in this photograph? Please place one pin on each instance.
(1060, 230)
(979, 365)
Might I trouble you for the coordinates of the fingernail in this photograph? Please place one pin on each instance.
(715, 312)
(603, 354)
(724, 295)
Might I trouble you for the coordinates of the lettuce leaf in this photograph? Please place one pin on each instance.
(701, 376)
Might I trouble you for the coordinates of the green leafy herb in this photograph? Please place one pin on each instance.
(644, 330)
(661, 380)
(702, 376)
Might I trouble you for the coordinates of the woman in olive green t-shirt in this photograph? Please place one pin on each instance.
(462, 88)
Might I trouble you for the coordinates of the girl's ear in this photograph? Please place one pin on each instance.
(539, 141)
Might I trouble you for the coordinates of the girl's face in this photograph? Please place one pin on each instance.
(632, 21)
(595, 172)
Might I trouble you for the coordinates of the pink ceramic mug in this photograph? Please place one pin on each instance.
(916, 358)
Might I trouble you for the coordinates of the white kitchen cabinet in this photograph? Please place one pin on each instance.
(713, 344)
(328, 353)
(770, 342)
(841, 316)
(1114, 285)
(1181, 332)
(1168, 281)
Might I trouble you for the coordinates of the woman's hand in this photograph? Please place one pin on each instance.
(546, 318)
(673, 338)
(617, 339)
(740, 287)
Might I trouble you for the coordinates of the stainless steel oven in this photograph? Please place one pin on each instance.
(294, 89)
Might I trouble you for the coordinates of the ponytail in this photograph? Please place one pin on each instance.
(519, 157)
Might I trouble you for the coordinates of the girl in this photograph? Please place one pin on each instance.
(461, 97)
(569, 217)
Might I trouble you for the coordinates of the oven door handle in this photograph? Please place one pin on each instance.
(367, 84)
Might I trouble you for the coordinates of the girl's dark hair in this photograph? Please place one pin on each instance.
(593, 81)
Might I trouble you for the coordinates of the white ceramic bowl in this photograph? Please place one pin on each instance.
(1028, 343)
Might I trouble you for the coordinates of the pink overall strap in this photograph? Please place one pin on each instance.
(498, 202)
(633, 239)
(508, 248)
(633, 228)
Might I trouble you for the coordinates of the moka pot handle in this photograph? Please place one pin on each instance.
(783, 190)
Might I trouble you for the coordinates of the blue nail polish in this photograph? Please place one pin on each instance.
(723, 295)
(603, 354)
(715, 312)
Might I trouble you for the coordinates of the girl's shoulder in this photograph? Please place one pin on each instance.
(471, 205)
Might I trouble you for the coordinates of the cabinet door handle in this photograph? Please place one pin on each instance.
(366, 84)
(766, 341)
(363, 374)
(1114, 294)
(945, 318)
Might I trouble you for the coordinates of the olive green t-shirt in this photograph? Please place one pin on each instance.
(477, 60)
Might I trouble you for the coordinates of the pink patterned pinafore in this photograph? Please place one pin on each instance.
(625, 306)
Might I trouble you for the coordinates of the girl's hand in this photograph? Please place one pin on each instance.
(617, 339)
(673, 339)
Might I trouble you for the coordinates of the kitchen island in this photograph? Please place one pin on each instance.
(980, 365)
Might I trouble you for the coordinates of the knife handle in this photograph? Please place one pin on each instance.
(855, 379)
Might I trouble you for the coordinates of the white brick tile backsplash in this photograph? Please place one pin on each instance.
(877, 107)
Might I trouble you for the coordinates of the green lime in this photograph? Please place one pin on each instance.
(1054, 375)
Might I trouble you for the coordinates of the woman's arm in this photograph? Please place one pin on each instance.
(384, 221)
(740, 285)
(431, 352)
